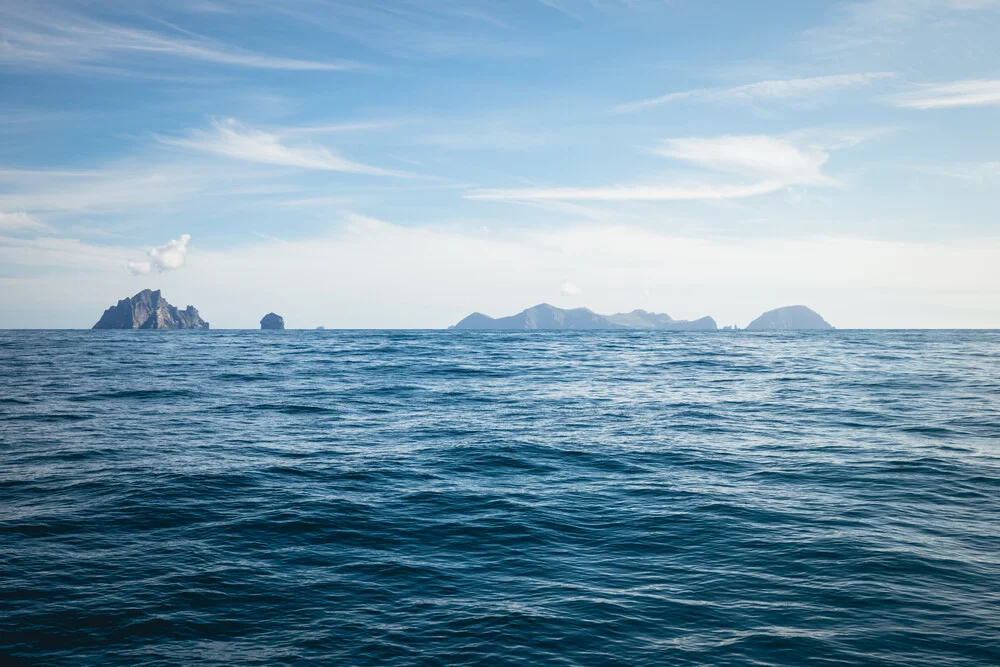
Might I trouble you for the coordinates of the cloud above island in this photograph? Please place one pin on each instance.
(168, 257)
(568, 289)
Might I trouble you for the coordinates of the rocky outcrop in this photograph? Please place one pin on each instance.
(545, 316)
(272, 321)
(789, 318)
(149, 310)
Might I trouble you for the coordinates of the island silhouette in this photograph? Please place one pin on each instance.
(547, 316)
(149, 310)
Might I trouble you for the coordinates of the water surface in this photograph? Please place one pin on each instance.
(459, 498)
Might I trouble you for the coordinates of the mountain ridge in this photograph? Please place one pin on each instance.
(547, 316)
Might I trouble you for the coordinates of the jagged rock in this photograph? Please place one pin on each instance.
(545, 316)
(788, 318)
(272, 321)
(149, 310)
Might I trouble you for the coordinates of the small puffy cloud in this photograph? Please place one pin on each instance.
(20, 222)
(163, 258)
(139, 268)
(569, 289)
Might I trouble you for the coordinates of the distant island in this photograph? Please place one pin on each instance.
(546, 316)
(149, 310)
(789, 318)
(272, 321)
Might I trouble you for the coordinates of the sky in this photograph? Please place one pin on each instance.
(402, 163)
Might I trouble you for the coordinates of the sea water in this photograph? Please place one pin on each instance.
(499, 498)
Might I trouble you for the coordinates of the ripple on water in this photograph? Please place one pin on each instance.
(577, 498)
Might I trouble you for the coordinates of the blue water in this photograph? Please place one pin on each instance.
(500, 498)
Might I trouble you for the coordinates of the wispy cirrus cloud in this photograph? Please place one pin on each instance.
(774, 89)
(228, 138)
(979, 92)
(895, 30)
(682, 191)
(341, 128)
(21, 222)
(763, 164)
(48, 36)
(761, 156)
(981, 173)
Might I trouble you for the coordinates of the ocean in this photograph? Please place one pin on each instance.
(499, 498)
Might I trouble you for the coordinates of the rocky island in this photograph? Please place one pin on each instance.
(272, 321)
(789, 318)
(149, 310)
(546, 316)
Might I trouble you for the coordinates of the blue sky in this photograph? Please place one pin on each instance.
(400, 164)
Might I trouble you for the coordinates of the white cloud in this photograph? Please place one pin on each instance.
(777, 89)
(230, 139)
(984, 92)
(20, 222)
(771, 158)
(770, 163)
(166, 257)
(569, 289)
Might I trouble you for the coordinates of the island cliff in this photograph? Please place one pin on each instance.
(545, 316)
(149, 310)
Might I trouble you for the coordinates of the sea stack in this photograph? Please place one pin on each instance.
(149, 310)
(789, 318)
(272, 321)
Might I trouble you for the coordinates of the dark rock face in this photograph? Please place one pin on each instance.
(789, 318)
(272, 321)
(545, 316)
(149, 310)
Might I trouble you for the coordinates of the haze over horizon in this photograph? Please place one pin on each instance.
(403, 164)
